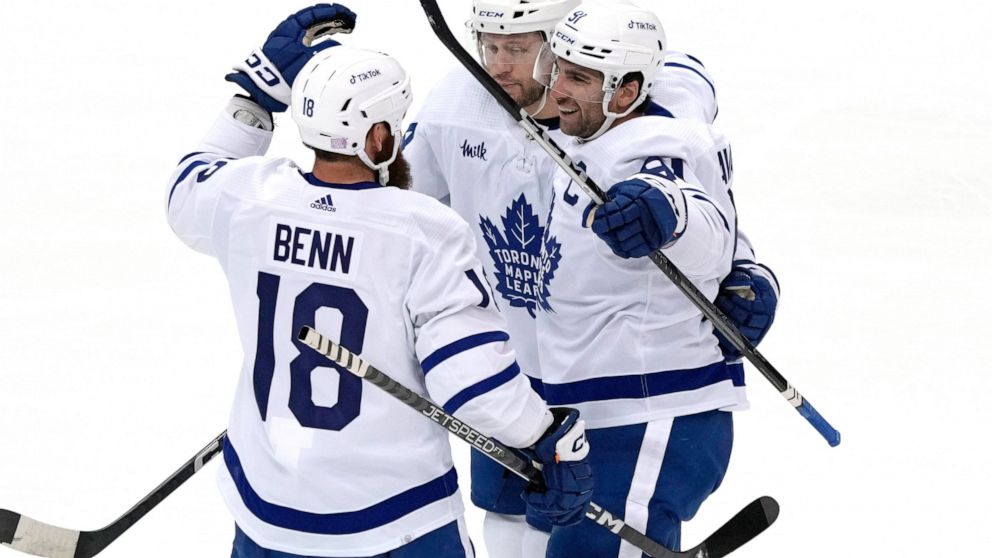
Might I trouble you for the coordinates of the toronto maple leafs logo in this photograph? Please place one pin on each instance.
(524, 256)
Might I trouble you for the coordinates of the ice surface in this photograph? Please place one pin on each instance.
(861, 139)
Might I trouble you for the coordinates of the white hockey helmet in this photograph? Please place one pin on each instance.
(616, 38)
(511, 17)
(342, 92)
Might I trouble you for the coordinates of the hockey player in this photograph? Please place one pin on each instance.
(623, 344)
(315, 465)
(464, 150)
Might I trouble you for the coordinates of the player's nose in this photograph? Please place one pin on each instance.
(500, 68)
(560, 96)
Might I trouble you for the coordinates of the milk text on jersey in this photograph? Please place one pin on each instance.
(474, 151)
(313, 248)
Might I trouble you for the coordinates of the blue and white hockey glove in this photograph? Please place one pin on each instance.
(749, 297)
(646, 212)
(268, 73)
(562, 452)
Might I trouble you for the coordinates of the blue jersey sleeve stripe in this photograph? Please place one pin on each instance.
(695, 71)
(194, 154)
(182, 177)
(460, 346)
(654, 109)
(726, 224)
(638, 386)
(536, 385)
(485, 386)
(736, 371)
(411, 131)
(341, 523)
(696, 60)
(770, 272)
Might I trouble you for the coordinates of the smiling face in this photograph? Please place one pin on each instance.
(579, 93)
(509, 59)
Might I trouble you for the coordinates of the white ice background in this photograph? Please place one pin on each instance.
(861, 134)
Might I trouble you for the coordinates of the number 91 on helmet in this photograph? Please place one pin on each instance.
(341, 93)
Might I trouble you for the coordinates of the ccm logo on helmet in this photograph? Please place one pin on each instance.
(491, 14)
(564, 37)
(362, 76)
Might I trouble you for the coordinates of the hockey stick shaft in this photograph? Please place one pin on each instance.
(163, 490)
(599, 197)
(488, 446)
(41, 539)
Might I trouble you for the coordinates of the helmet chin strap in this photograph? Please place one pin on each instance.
(611, 117)
(602, 129)
(382, 168)
(544, 101)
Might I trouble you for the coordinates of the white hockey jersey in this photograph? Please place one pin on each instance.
(317, 463)
(685, 88)
(466, 151)
(619, 341)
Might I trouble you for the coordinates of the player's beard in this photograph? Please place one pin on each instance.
(399, 172)
(399, 169)
(584, 123)
(530, 93)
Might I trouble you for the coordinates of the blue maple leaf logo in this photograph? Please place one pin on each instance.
(521, 265)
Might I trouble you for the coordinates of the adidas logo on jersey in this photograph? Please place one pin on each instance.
(325, 203)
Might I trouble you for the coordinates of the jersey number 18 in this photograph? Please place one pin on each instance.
(354, 315)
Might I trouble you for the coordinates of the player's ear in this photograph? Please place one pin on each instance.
(625, 96)
(378, 140)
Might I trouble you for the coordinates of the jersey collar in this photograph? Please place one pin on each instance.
(654, 109)
(550, 124)
(309, 177)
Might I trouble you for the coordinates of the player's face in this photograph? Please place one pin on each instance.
(509, 59)
(579, 94)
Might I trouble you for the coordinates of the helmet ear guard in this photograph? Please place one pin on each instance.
(341, 93)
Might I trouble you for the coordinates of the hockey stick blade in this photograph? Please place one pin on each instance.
(598, 196)
(41, 539)
(744, 526)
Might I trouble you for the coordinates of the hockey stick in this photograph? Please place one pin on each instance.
(579, 176)
(41, 539)
(747, 524)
